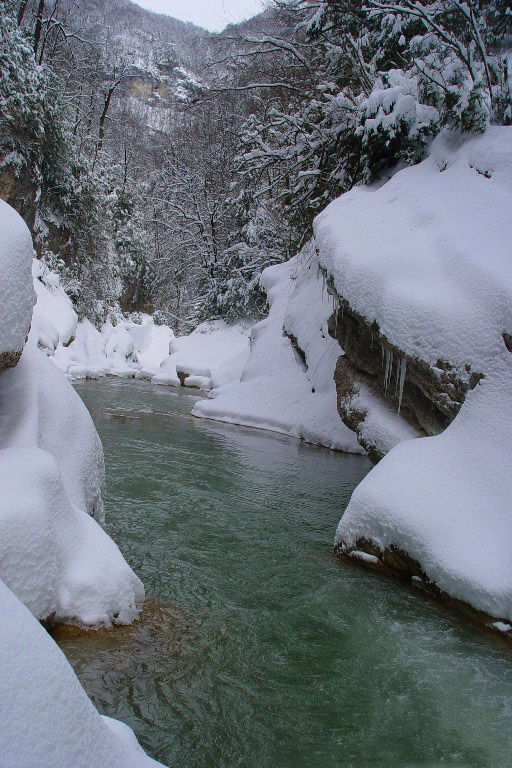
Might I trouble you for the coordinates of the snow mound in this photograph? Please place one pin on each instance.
(54, 320)
(47, 719)
(277, 390)
(445, 500)
(213, 353)
(127, 349)
(18, 297)
(427, 255)
(53, 554)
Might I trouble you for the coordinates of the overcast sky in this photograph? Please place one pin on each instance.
(211, 14)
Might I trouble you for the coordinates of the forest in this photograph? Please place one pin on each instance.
(163, 169)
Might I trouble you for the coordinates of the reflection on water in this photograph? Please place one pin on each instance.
(256, 648)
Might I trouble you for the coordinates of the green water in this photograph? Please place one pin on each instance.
(258, 648)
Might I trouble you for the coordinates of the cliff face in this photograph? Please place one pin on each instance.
(427, 397)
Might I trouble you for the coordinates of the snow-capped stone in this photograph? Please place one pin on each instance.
(16, 254)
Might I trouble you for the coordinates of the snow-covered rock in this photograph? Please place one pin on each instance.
(214, 352)
(56, 561)
(54, 554)
(427, 258)
(47, 719)
(18, 296)
(427, 255)
(278, 389)
(127, 349)
(54, 320)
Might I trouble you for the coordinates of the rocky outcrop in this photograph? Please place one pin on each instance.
(18, 188)
(394, 562)
(428, 397)
(9, 360)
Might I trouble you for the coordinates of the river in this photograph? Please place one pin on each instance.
(257, 648)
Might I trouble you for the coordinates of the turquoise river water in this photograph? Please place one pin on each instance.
(257, 648)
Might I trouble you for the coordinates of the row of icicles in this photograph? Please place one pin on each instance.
(387, 354)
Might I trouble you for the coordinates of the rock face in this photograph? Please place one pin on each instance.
(18, 188)
(8, 360)
(428, 397)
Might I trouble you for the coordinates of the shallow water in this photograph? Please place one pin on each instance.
(257, 648)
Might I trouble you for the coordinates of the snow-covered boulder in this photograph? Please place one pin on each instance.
(214, 352)
(126, 349)
(16, 254)
(426, 260)
(54, 554)
(54, 320)
(47, 719)
(287, 383)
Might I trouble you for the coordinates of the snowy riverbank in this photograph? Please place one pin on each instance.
(287, 384)
(56, 561)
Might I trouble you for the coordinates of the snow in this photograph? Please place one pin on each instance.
(427, 255)
(18, 297)
(47, 719)
(411, 254)
(53, 554)
(127, 349)
(54, 320)
(276, 390)
(215, 351)
(380, 426)
(357, 554)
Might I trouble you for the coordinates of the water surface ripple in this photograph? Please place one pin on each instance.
(257, 648)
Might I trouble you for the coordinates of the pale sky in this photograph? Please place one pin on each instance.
(210, 14)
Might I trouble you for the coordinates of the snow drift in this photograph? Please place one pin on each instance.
(54, 320)
(47, 719)
(281, 389)
(128, 349)
(427, 256)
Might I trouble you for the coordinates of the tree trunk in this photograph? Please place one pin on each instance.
(39, 26)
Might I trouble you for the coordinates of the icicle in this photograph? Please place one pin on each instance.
(382, 353)
(403, 368)
(323, 285)
(389, 369)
